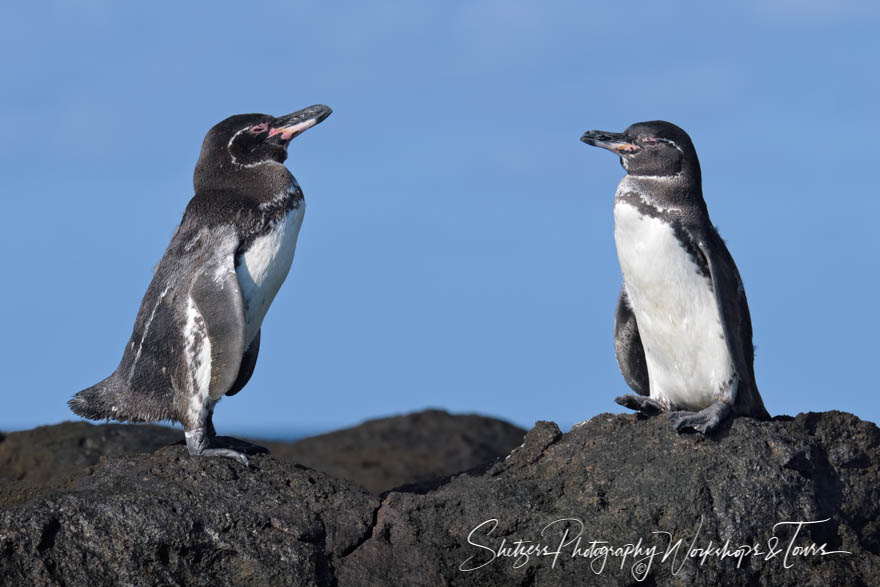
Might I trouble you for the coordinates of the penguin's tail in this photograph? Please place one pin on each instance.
(749, 403)
(101, 401)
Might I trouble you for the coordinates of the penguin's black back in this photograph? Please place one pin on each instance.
(143, 387)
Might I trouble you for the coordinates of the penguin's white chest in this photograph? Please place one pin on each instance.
(263, 267)
(689, 365)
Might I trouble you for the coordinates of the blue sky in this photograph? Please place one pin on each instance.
(457, 251)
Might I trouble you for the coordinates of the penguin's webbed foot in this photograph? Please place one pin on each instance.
(705, 421)
(240, 445)
(203, 443)
(640, 403)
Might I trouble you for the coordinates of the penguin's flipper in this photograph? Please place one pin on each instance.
(248, 363)
(730, 300)
(218, 298)
(628, 346)
(736, 322)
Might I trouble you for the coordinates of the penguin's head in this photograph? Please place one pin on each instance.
(243, 145)
(656, 148)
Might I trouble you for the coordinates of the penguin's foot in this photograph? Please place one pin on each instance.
(704, 421)
(239, 445)
(201, 442)
(640, 403)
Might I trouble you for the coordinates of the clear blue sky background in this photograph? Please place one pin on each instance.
(457, 251)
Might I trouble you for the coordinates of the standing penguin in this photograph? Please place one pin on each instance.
(197, 334)
(682, 330)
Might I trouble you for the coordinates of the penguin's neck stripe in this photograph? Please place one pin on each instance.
(675, 177)
(646, 200)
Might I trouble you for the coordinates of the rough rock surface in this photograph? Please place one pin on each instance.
(51, 452)
(168, 519)
(389, 452)
(165, 518)
(619, 479)
(378, 454)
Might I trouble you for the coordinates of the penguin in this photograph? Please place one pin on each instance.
(197, 334)
(682, 329)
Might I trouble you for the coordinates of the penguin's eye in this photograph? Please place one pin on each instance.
(649, 141)
(262, 127)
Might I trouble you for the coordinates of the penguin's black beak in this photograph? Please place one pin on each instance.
(613, 141)
(285, 128)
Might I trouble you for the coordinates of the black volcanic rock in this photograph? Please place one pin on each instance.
(619, 479)
(169, 519)
(166, 518)
(390, 452)
(42, 454)
(378, 454)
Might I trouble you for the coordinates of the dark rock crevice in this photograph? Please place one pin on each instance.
(50, 531)
(368, 533)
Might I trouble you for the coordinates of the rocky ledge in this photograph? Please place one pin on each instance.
(617, 500)
(378, 455)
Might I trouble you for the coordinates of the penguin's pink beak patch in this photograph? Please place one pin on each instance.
(625, 148)
(288, 132)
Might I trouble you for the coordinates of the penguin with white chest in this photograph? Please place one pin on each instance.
(682, 330)
(197, 334)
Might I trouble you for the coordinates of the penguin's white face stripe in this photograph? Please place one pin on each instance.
(235, 160)
(651, 140)
(287, 133)
(263, 267)
(689, 365)
(232, 140)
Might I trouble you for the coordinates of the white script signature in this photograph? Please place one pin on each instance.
(565, 537)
